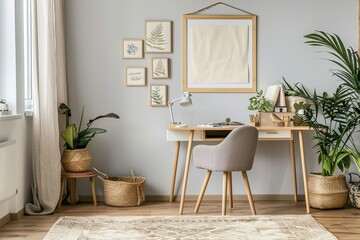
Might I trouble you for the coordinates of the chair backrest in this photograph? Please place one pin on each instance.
(237, 151)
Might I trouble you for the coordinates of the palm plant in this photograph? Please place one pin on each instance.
(335, 118)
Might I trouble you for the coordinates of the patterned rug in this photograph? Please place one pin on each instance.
(189, 227)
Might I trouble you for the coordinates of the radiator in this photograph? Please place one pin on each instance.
(8, 170)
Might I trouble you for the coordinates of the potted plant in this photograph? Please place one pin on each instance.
(76, 157)
(335, 119)
(260, 104)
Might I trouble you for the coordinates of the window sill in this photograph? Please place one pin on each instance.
(29, 113)
(10, 117)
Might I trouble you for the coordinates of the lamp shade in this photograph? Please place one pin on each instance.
(185, 100)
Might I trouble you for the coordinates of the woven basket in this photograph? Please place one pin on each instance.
(327, 192)
(124, 191)
(354, 193)
(77, 160)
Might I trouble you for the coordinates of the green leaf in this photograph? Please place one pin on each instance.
(109, 115)
(69, 135)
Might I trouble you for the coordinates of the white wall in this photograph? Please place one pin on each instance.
(96, 75)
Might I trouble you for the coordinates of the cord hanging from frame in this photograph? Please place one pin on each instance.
(218, 3)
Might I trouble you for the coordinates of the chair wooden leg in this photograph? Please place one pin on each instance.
(230, 192)
(225, 179)
(203, 188)
(248, 192)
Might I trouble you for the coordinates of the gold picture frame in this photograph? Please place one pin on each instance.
(135, 76)
(160, 68)
(219, 53)
(158, 95)
(132, 49)
(158, 36)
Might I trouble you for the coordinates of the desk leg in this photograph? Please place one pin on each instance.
(186, 171)
(176, 158)
(293, 164)
(303, 164)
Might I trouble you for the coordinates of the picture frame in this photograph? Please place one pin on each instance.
(219, 53)
(133, 48)
(158, 95)
(160, 68)
(158, 36)
(136, 76)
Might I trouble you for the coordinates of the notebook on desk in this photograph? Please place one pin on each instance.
(227, 122)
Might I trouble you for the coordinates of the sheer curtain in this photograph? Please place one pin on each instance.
(49, 89)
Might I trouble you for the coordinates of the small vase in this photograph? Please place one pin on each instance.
(77, 160)
(291, 100)
(255, 119)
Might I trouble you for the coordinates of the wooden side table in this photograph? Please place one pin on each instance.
(72, 176)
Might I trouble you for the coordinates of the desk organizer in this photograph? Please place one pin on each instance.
(275, 119)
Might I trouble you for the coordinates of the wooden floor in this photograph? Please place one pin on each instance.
(344, 223)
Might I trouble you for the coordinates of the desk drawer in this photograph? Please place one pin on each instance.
(183, 135)
(275, 134)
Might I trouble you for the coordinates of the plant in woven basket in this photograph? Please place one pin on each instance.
(334, 117)
(75, 157)
(74, 137)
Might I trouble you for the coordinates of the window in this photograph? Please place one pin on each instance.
(27, 55)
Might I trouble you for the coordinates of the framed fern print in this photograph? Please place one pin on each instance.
(136, 76)
(158, 95)
(160, 68)
(133, 48)
(158, 36)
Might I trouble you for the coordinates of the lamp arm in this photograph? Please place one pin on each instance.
(171, 113)
(170, 103)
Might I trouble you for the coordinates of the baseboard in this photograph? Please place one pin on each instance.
(19, 215)
(4, 220)
(165, 198)
(12, 216)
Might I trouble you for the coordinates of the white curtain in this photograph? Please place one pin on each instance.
(49, 89)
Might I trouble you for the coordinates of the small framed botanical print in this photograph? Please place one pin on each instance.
(133, 48)
(158, 36)
(160, 68)
(136, 76)
(158, 95)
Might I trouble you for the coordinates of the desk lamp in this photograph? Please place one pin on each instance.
(185, 100)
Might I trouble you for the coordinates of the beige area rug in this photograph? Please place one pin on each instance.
(189, 227)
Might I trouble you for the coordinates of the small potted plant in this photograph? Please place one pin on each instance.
(76, 157)
(260, 104)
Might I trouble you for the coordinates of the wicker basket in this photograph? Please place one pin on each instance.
(327, 192)
(77, 160)
(354, 193)
(124, 191)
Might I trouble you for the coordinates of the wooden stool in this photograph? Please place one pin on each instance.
(72, 176)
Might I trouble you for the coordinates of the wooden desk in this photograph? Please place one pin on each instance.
(266, 133)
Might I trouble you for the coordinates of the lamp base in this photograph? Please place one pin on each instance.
(174, 123)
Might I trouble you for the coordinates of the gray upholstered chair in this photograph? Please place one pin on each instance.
(235, 153)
